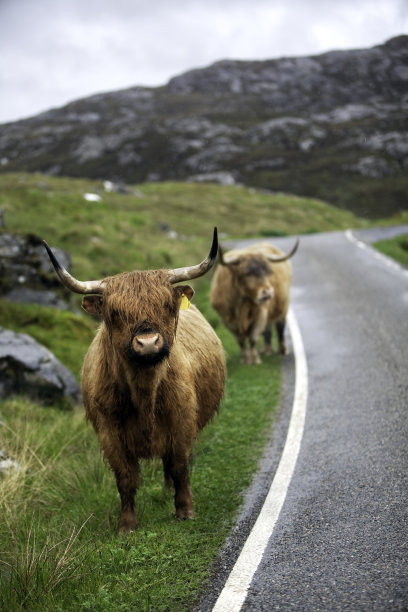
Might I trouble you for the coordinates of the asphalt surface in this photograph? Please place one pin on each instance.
(340, 542)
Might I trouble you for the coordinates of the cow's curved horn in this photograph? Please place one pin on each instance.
(69, 281)
(183, 274)
(229, 261)
(279, 258)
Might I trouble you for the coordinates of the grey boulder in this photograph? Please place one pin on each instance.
(27, 367)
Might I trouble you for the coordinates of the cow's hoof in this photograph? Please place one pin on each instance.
(127, 525)
(125, 531)
(256, 360)
(185, 514)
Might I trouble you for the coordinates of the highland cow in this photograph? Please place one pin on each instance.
(153, 376)
(250, 291)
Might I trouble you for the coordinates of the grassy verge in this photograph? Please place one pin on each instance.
(59, 512)
(113, 232)
(397, 248)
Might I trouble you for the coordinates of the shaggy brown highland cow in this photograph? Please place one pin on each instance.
(153, 376)
(250, 291)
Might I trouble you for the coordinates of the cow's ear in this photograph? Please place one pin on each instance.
(92, 304)
(188, 291)
(184, 290)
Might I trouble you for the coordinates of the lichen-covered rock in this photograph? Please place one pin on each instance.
(27, 367)
(8, 464)
(26, 273)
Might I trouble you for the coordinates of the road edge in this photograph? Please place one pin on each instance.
(235, 589)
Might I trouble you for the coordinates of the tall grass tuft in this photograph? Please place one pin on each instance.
(33, 571)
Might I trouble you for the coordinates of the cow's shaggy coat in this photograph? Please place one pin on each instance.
(250, 293)
(152, 378)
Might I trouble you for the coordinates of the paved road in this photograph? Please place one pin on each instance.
(340, 542)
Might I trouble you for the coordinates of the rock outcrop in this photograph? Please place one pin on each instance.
(27, 367)
(331, 126)
(26, 273)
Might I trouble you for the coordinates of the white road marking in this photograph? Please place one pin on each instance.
(390, 263)
(235, 590)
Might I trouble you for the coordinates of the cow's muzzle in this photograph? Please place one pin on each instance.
(264, 295)
(148, 348)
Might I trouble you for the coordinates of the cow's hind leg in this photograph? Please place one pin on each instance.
(280, 330)
(176, 468)
(267, 336)
(168, 479)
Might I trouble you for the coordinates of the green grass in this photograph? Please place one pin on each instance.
(122, 232)
(397, 248)
(54, 209)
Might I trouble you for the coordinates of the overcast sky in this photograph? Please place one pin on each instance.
(56, 51)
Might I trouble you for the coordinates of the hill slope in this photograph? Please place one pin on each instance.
(331, 126)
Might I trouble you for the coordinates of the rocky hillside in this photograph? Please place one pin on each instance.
(332, 126)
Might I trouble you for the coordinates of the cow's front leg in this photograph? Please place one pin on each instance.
(259, 324)
(176, 468)
(254, 357)
(245, 352)
(126, 470)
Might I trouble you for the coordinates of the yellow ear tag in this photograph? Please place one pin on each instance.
(184, 302)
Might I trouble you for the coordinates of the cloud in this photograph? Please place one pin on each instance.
(53, 51)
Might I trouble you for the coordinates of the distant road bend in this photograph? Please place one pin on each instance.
(338, 540)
